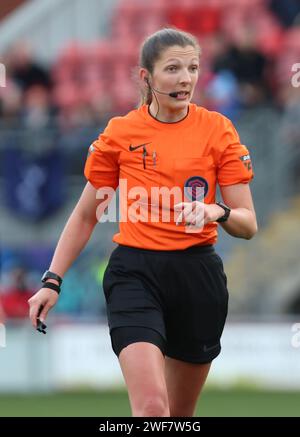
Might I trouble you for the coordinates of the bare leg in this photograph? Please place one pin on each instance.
(143, 367)
(184, 383)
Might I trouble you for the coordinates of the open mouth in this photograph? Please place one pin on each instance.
(182, 95)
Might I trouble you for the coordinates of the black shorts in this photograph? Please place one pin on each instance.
(175, 299)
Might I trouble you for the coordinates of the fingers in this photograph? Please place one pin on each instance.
(44, 312)
(180, 205)
(185, 208)
(34, 312)
(40, 304)
(192, 213)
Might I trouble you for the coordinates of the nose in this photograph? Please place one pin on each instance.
(185, 76)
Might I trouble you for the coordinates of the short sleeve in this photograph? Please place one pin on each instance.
(102, 163)
(234, 165)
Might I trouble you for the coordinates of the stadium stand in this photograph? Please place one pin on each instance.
(65, 105)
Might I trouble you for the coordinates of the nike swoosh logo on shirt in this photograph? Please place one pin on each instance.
(131, 147)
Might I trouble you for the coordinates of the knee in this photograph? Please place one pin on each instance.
(153, 405)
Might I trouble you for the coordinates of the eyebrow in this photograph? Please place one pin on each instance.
(177, 60)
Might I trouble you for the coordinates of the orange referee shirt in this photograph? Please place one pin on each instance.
(138, 153)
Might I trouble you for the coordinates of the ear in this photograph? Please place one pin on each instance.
(144, 75)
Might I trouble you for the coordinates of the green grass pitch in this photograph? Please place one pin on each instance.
(213, 403)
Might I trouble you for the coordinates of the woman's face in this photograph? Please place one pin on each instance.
(176, 70)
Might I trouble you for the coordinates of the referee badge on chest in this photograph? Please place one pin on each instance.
(195, 188)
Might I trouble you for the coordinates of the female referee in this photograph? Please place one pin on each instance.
(165, 287)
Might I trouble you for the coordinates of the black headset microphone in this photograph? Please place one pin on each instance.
(173, 94)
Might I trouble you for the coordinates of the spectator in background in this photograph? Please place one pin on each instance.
(27, 96)
(15, 295)
(24, 70)
(222, 94)
(37, 110)
(248, 65)
(2, 315)
(10, 103)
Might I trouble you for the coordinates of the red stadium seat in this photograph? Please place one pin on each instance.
(194, 17)
(108, 66)
(72, 54)
(66, 94)
(292, 39)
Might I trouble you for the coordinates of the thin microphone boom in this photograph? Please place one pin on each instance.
(173, 94)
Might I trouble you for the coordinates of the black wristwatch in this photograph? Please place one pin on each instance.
(227, 210)
(51, 275)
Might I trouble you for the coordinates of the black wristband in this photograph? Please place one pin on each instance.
(51, 275)
(52, 286)
(227, 211)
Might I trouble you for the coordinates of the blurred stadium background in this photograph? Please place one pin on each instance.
(71, 65)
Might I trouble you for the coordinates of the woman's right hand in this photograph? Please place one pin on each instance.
(45, 298)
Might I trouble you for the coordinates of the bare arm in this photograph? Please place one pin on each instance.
(73, 239)
(242, 220)
(77, 231)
